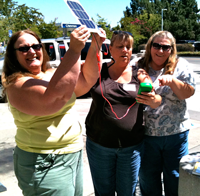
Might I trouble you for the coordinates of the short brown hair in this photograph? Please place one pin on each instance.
(122, 36)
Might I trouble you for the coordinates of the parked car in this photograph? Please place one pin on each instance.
(1, 68)
(197, 46)
(56, 48)
(1, 63)
(185, 41)
(2, 49)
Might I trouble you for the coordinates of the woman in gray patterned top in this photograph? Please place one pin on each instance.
(168, 125)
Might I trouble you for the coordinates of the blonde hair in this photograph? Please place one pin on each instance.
(122, 36)
(172, 60)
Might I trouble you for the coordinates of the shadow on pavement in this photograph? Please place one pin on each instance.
(6, 160)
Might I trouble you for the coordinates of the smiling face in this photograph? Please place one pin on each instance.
(159, 56)
(32, 59)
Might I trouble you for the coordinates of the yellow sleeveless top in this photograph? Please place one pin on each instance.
(58, 133)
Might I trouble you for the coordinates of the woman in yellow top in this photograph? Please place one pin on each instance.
(48, 155)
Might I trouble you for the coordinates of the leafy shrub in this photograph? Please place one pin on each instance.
(192, 54)
(184, 47)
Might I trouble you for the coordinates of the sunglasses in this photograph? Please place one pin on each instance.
(122, 32)
(159, 46)
(27, 48)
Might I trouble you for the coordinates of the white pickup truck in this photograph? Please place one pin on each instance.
(56, 48)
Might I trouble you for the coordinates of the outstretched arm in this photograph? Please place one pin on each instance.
(90, 69)
(43, 97)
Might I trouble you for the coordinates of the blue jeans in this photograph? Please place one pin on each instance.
(162, 154)
(114, 169)
(49, 174)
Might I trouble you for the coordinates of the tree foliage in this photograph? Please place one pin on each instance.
(126, 25)
(6, 7)
(49, 30)
(104, 25)
(148, 24)
(19, 17)
(25, 17)
(181, 17)
(142, 18)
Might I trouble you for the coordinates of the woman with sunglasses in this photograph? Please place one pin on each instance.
(168, 125)
(48, 156)
(114, 124)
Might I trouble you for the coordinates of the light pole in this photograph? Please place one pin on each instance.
(162, 19)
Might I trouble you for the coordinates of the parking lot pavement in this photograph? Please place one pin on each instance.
(7, 143)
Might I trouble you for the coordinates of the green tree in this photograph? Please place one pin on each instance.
(49, 30)
(4, 23)
(128, 25)
(104, 25)
(181, 17)
(149, 23)
(25, 17)
(139, 7)
(6, 7)
(18, 17)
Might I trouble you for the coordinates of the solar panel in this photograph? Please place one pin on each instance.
(81, 15)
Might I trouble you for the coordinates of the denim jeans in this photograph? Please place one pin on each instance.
(114, 169)
(162, 154)
(49, 174)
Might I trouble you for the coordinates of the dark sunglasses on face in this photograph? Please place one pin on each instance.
(27, 48)
(159, 46)
(122, 32)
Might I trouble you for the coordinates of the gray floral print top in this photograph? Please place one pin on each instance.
(171, 116)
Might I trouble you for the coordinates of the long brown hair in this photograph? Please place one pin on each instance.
(172, 60)
(12, 68)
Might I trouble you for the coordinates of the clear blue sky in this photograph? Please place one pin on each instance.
(110, 10)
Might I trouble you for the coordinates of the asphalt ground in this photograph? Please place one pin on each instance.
(7, 143)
